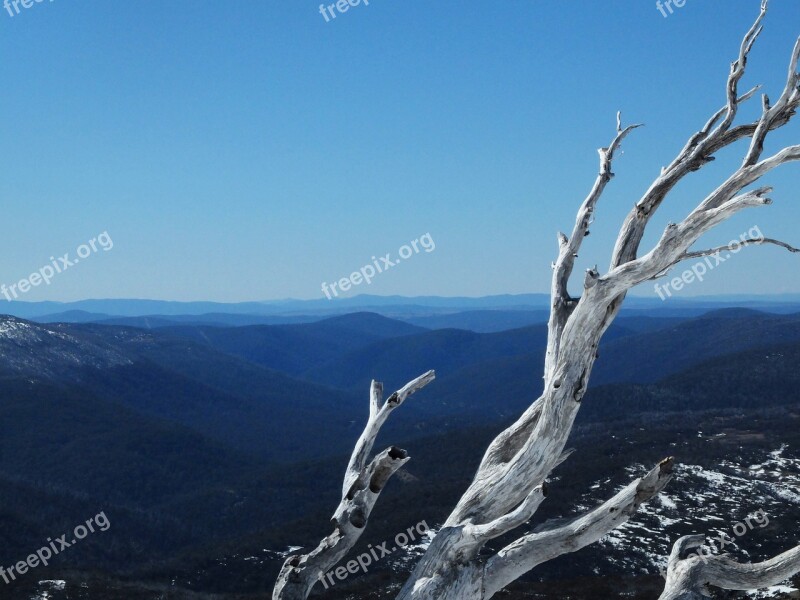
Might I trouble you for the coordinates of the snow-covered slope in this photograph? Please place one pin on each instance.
(747, 507)
(49, 352)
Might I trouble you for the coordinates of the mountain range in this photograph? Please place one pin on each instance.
(213, 448)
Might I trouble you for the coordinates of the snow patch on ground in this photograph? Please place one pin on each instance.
(708, 501)
(47, 587)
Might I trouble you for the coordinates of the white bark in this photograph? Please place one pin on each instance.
(689, 577)
(510, 482)
(523, 455)
(363, 483)
(554, 539)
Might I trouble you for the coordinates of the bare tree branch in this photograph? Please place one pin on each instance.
(363, 483)
(735, 246)
(690, 576)
(732, 247)
(462, 574)
(729, 575)
(523, 455)
(562, 304)
(378, 414)
(512, 520)
(701, 147)
(561, 537)
(508, 486)
(770, 114)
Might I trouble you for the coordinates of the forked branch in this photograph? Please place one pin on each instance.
(363, 483)
(554, 539)
(569, 247)
(509, 484)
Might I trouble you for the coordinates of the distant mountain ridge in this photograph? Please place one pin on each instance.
(283, 311)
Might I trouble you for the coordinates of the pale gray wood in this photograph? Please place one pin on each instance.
(690, 576)
(363, 483)
(510, 482)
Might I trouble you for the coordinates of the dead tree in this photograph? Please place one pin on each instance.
(510, 482)
(689, 577)
(364, 480)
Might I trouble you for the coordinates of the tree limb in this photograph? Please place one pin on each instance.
(379, 412)
(508, 486)
(363, 483)
(561, 537)
(512, 520)
(569, 248)
(701, 147)
(523, 455)
(735, 246)
(690, 575)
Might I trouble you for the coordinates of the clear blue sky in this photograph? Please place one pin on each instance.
(250, 150)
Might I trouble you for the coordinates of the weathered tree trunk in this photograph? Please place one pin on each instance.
(690, 577)
(510, 482)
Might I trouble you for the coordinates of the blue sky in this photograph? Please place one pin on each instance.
(252, 150)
